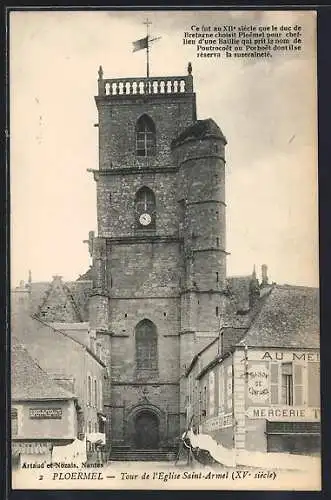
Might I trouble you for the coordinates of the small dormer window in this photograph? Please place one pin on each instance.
(145, 136)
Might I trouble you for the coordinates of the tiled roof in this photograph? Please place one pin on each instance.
(88, 276)
(78, 292)
(28, 381)
(288, 318)
(238, 287)
(238, 313)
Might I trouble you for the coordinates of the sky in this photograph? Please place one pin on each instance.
(266, 108)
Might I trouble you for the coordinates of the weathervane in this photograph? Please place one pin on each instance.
(144, 43)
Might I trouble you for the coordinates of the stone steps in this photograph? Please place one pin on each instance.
(143, 455)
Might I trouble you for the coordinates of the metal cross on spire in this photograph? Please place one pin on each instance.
(144, 43)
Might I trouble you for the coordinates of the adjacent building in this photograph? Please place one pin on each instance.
(43, 414)
(70, 358)
(262, 391)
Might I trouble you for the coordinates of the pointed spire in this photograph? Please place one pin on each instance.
(254, 273)
(100, 73)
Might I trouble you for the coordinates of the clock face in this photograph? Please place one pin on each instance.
(145, 219)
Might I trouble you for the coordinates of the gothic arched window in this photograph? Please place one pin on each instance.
(146, 346)
(145, 208)
(145, 136)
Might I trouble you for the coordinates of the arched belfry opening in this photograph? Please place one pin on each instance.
(145, 136)
(146, 348)
(145, 208)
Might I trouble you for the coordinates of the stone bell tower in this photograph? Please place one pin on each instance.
(159, 255)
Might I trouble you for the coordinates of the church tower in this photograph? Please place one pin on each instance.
(159, 255)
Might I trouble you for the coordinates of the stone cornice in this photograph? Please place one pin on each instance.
(134, 170)
(143, 238)
(143, 98)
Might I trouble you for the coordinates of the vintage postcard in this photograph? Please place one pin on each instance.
(165, 288)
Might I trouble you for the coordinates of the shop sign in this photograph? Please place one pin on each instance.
(258, 383)
(40, 413)
(284, 413)
(219, 422)
(285, 355)
(32, 448)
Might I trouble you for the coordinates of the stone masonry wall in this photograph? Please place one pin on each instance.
(117, 121)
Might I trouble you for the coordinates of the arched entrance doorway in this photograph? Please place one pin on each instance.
(146, 430)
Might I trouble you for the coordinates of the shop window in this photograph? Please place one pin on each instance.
(287, 384)
(145, 136)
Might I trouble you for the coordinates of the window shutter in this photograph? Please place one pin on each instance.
(95, 393)
(298, 384)
(14, 422)
(229, 388)
(211, 393)
(274, 383)
(221, 390)
(100, 395)
(314, 384)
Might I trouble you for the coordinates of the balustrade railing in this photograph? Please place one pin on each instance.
(145, 86)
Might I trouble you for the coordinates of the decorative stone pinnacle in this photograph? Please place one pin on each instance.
(100, 73)
(189, 68)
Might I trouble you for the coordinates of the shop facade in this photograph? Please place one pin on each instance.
(259, 399)
(37, 426)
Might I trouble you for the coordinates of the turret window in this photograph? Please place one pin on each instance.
(145, 136)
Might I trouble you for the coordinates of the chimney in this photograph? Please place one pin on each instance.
(20, 308)
(264, 272)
